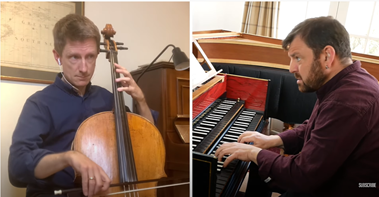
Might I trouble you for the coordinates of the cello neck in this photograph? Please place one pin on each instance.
(124, 144)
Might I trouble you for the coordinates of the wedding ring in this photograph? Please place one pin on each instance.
(91, 178)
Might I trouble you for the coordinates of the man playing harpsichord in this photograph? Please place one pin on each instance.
(336, 151)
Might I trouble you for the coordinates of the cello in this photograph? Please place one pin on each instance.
(127, 146)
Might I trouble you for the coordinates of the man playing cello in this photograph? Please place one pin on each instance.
(40, 154)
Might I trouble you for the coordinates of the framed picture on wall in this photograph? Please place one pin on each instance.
(27, 39)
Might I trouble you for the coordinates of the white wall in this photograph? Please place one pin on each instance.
(146, 28)
(13, 97)
(217, 15)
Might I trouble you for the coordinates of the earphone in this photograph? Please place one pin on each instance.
(59, 61)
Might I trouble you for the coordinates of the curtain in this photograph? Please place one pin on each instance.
(261, 18)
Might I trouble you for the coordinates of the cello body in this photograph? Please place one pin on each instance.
(128, 147)
(96, 138)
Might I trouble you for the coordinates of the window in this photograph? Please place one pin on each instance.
(362, 22)
(360, 18)
(292, 13)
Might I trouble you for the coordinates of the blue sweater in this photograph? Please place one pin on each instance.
(47, 124)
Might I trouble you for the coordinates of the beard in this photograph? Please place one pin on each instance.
(315, 80)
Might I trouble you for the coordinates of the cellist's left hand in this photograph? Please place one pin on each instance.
(131, 88)
(128, 83)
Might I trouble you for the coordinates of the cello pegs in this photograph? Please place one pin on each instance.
(122, 48)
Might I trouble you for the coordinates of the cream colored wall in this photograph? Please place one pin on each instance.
(144, 27)
(13, 97)
(217, 15)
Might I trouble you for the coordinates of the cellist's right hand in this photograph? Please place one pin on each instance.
(94, 179)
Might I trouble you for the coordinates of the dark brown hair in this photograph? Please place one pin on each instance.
(320, 32)
(74, 27)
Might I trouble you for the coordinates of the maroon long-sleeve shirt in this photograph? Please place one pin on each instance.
(339, 144)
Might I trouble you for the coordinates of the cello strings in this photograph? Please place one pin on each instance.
(137, 192)
(134, 187)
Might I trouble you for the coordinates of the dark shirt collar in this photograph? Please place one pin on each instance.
(333, 83)
(59, 82)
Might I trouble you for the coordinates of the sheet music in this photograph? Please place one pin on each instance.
(198, 74)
